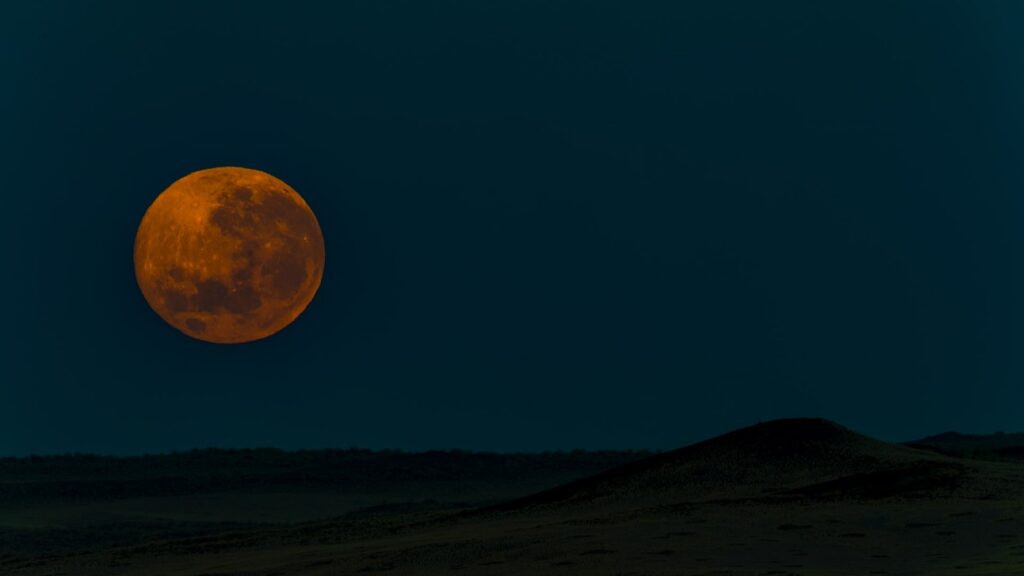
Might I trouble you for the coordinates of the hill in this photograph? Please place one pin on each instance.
(781, 458)
(999, 446)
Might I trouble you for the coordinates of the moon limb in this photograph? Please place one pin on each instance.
(229, 255)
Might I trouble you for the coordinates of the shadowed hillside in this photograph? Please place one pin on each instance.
(778, 458)
(998, 446)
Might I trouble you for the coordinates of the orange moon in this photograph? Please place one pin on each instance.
(229, 255)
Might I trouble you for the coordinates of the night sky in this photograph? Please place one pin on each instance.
(548, 224)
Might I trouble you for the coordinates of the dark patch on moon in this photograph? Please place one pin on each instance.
(243, 274)
(177, 273)
(175, 301)
(210, 295)
(248, 255)
(281, 208)
(287, 271)
(195, 325)
(249, 250)
(213, 296)
(232, 220)
(242, 194)
(243, 299)
(283, 268)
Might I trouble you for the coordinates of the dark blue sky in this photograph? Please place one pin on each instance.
(549, 224)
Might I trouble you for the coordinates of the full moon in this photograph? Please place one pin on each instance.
(229, 255)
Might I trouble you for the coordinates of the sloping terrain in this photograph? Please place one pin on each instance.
(791, 497)
(778, 458)
(998, 446)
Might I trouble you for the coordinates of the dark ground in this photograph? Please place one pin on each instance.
(71, 503)
(803, 497)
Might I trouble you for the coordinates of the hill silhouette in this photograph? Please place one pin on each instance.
(780, 458)
(999, 446)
